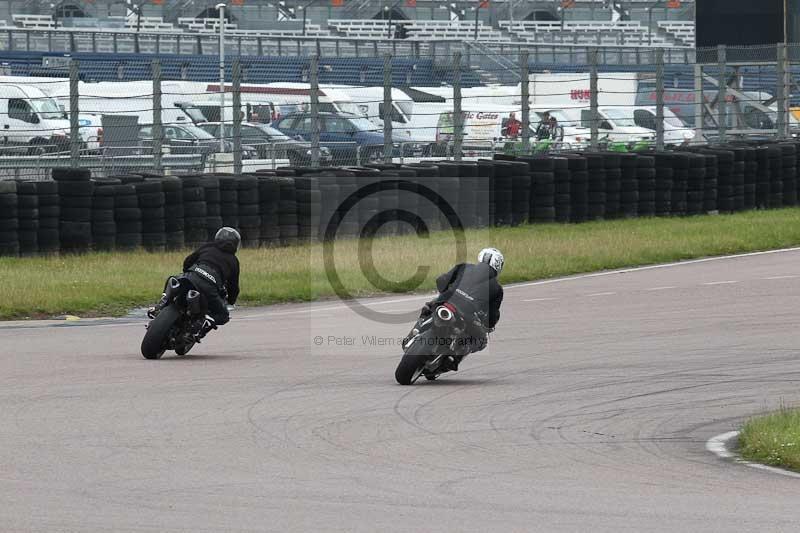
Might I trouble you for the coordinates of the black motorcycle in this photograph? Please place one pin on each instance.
(183, 309)
(442, 337)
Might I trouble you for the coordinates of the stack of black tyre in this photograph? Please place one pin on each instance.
(269, 196)
(738, 177)
(287, 210)
(151, 206)
(330, 200)
(502, 192)
(75, 191)
(726, 193)
(229, 201)
(212, 196)
(173, 213)
(543, 189)
(763, 177)
(680, 183)
(789, 172)
(368, 206)
(127, 216)
(485, 194)
(710, 191)
(48, 236)
(751, 178)
(562, 201)
(408, 202)
(525, 194)
(347, 179)
(612, 164)
(468, 194)
(774, 160)
(249, 211)
(579, 187)
(427, 182)
(695, 189)
(389, 199)
(665, 179)
(646, 174)
(410, 197)
(596, 209)
(309, 199)
(448, 189)
(195, 223)
(104, 225)
(629, 186)
(9, 224)
(28, 217)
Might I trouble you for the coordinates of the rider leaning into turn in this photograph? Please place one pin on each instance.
(213, 270)
(474, 290)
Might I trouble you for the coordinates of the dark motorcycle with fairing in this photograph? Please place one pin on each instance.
(439, 340)
(182, 310)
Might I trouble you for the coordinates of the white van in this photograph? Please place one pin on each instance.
(369, 102)
(616, 124)
(31, 121)
(485, 128)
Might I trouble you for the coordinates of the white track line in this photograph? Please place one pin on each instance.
(652, 267)
(652, 289)
(719, 446)
(782, 277)
(551, 281)
(519, 285)
(601, 294)
(720, 283)
(539, 300)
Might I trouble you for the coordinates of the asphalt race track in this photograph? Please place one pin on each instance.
(589, 412)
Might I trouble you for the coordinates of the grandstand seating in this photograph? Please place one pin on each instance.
(589, 32)
(680, 30)
(417, 29)
(39, 22)
(586, 33)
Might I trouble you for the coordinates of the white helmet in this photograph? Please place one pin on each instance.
(493, 258)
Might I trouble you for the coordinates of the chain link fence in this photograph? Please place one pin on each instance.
(173, 114)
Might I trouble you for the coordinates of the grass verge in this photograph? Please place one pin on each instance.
(112, 283)
(773, 439)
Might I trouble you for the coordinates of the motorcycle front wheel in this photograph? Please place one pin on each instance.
(414, 359)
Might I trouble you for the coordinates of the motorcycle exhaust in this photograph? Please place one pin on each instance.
(193, 302)
(444, 314)
(173, 284)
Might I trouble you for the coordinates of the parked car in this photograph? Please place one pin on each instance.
(676, 133)
(270, 143)
(190, 139)
(351, 138)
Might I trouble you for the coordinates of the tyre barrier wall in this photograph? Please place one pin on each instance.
(75, 213)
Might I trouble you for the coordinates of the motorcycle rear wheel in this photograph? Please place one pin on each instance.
(153, 344)
(413, 361)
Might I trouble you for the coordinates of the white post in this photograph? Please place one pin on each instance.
(221, 9)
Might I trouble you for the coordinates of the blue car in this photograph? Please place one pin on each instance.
(351, 139)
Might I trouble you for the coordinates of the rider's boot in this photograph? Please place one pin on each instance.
(153, 311)
(171, 287)
(205, 326)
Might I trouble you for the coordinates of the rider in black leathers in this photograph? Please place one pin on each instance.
(213, 270)
(474, 290)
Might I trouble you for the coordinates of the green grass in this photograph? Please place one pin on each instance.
(773, 439)
(112, 283)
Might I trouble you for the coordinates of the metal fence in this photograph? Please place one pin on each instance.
(119, 114)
